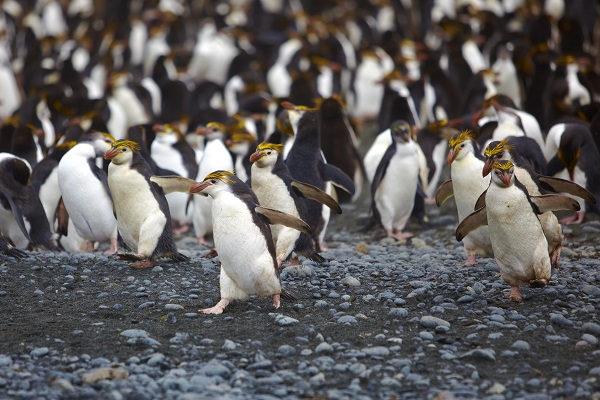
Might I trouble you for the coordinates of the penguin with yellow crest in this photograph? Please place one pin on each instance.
(466, 185)
(516, 233)
(142, 211)
(242, 237)
(275, 188)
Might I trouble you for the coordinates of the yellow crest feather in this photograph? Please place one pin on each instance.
(130, 144)
(461, 137)
(498, 148)
(503, 165)
(220, 175)
(270, 146)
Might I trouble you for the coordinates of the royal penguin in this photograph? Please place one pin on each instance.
(577, 159)
(517, 236)
(392, 203)
(143, 218)
(466, 184)
(242, 237)
(306, 164)
(171, 151)
(82, 183)
(22, 217)
(275, 188)
(215, 157)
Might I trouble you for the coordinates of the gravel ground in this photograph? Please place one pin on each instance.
(380, 319)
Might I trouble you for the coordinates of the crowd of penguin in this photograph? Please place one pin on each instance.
(127, 121)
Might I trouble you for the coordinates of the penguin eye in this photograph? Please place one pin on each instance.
(123, 150)
(268, 153)
(213, 181)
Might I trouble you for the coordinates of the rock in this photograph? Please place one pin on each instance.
(173, 307)
(347, 320)
(351, 281)
(376, 351)
(521, 345)
(591, 339)
(362, 248)
(101, 374)
(591, 290)
(299, 271)
(480, 354)
(228, 345)
(39, 352)
(592, 328)
(135, 333)
(398, 313)
(283, 320)
(324, 348)
(431, 322)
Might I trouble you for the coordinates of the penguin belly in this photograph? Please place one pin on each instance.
(519, 244)
(273, 193)
(9, 229)
(468, 185)
(89, 206)
(139, 218)
(243, 250)
(395, 195)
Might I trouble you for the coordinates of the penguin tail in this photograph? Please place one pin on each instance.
(176, 256)
(288, 295)
(315, 257)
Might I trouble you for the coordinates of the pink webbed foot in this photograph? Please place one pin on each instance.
(113, 247)
(574, 219)
(515, 294)
(399, 235)
(89, 246)
(142, 264)
(471, 261)
(538, 283)
(555, 257)
(216, 309)
(183, 228)
(276, 300)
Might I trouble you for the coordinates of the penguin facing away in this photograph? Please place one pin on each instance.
(518, 240)
(242, 237)
(396, 182)
(275, 188)
(82, 183)
(142, 211)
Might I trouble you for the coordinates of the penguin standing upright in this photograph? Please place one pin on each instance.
(275, 188)
(81, 184)
(306, 164)
(391, 202)
(22, 217)
(142, 211)
(242, 237)
(466, 185)
(519, 244)
(171, 151)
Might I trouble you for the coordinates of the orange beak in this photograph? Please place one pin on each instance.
(111, 153)
(451, 156)
(199, 187)
(487, 167)
(254, 157)
(506, 178)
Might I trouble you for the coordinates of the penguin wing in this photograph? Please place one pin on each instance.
(333, 174)
(444, 192)
(17, 212)
(480, 201)
(314, 193)
(9, 250)
(554, 202)
(471, 222)
(281, 218)
(382, 168)
(564, 186)
(170, 184)
(62, 216)
(101, 175)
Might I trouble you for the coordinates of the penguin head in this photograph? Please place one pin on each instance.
(295, 113)
(401, 131)
(461, 145)
(239, 143)
(495, 151)
(266, 154)
(212, 130)
(503, 173)
(166, 134)
(122, 151)
(215, 182)
(101, 142)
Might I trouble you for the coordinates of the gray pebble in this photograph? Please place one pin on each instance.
(350, 281)
(324, 348)
(592, 328)
(347, 320)
(521, 345)
(398, 313)
(431, 322)
(480, 354)
(173, 307)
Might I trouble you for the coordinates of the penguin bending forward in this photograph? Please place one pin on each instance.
(517, 236)
(143, 217)
(242, 236)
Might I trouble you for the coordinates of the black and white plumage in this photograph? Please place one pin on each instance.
(517, 236)
(82, 183)
(396, 182)
(242, 237)
(142, 211)
(275, 188)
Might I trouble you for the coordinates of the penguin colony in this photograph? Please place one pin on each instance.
(123, 123)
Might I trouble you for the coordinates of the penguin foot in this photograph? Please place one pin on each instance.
(113, 247)
(142, 264)
(399, 236)
(131, 256)
(471, 261)
(276, 300)
(538, 283)
(555, 257)
(89, 246)
(515, 294)
(574, 219)
(216, 309)
(212, 254)
(183, 228)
